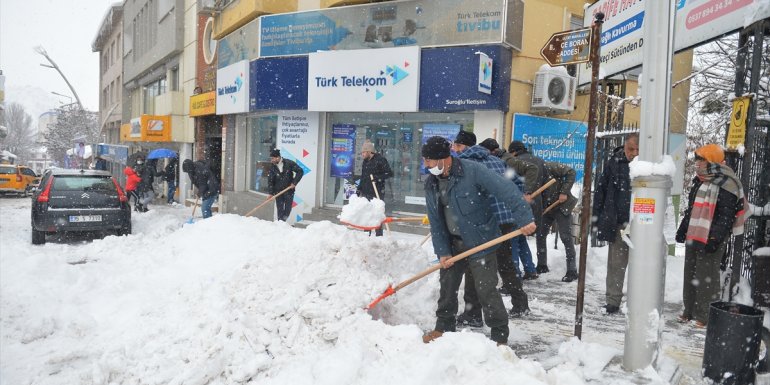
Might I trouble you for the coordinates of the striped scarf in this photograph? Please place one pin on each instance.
(715, 177)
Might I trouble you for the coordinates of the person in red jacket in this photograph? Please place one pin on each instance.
(132, 180)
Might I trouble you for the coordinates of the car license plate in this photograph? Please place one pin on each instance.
(85, 218)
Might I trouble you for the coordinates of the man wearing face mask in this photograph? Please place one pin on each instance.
(283, 173)
(717, 205)
(458, 198)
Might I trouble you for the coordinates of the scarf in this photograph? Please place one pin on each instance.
(714, 177)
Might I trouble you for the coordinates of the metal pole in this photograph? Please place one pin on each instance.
(53, 65)
(647, 254)
(585, 214)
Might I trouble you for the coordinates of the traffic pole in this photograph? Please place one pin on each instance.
(647, 255)
(585, 213)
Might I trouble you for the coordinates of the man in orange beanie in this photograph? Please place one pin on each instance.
(716, 208)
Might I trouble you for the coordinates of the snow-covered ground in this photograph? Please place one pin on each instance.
(232, 300)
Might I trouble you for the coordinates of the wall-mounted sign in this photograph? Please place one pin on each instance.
(233, 88)
(156, 128)
(554, 140)
(736, 135)
(113, 153)
(568, 47)
(393, 24)
(364, 80)
(298, 140)
(485, 73)
(696, 22)
(241, 44)
(203, 104)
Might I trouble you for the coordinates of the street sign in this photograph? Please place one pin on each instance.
(736, 134)
(568, 47)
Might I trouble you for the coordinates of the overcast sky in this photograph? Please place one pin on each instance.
(66, 29)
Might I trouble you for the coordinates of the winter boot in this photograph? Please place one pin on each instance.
(466, 319)
(570, 276)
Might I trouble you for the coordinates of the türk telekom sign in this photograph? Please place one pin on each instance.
(697, 21)
(386, 79)
(233, 88)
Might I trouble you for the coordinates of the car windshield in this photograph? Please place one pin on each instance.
(7, 170)
(83, 183)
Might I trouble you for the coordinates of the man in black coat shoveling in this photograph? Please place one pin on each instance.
(284, 173)
(374, 170)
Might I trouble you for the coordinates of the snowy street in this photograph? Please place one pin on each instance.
(236, 300)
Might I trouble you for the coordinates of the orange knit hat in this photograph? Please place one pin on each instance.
(712, 153)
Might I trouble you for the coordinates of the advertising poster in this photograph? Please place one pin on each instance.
(394, 24)
(448, 131)
(343, 150)
(554, 140)
(298, 140)
(233, 89)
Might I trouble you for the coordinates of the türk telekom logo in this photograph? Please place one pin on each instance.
(394, 72)
(232, 88)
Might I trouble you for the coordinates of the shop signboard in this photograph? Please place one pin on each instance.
(343, 150)
(241, 44)
(485, 73)
(113, 153)
(696, 22)
(156, 128)
(554, 140)
(233, 88)
(278, 84)
(203, 104)
(364, 80)
(422, 23)
(298, 134)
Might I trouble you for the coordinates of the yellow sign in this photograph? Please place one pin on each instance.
(156, 128)
(125, 134)
(203, 104)
(736, 135)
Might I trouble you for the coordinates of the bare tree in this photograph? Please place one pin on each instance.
(21, 139)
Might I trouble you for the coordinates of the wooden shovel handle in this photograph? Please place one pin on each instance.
(377, 194)
(458, 257)
(543, 187)
(195, 205)
(268, 200)
(549, 208)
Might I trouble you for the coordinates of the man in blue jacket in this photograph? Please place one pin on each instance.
(458, 198)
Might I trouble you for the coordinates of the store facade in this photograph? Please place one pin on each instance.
(320, 107)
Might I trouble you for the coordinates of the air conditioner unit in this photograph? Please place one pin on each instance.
(554, 91)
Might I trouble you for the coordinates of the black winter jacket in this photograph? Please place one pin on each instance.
(612, 198)
(728, 205)
(202, 177)
(377, 167)
(279, 180)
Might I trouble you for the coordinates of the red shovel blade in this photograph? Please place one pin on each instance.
(387, 293)
(365, 228)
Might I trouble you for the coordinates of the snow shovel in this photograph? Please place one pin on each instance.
(193, 212)
(392, 290)
(268, 200)
(549, 208)
(423, 220)
(377, 194)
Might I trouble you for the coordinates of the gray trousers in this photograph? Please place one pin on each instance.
(564, 226)
(617, 262)
(701, 284)
(484, 269)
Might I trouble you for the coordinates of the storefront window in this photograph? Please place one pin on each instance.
(396, 136)
(262, 130)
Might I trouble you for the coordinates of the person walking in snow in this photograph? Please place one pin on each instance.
(132, 180)
(457, 196)
(465, 147)
(561, 214)
(170, 175)
(375, 169)
(526, 178)
(204, 181)
(612, 203)
(283, 173)
(716, 208)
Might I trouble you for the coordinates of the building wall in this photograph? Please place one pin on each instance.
(111, 81)
(162, 36)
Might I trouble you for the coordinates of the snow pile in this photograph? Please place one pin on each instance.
(363, 212)
(642, 168)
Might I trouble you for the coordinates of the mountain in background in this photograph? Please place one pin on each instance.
(35, 100)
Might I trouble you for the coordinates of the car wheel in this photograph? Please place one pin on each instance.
(38, 237)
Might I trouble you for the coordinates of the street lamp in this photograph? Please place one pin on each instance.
(42, 51)
(62, 95)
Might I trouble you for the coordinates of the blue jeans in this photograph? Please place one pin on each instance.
(206, 205)
(171, 191)
(520, 251)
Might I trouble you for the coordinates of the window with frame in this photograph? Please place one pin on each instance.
(262, 133)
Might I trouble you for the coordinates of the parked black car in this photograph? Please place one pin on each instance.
(78, 200)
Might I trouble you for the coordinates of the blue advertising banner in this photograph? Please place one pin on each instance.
(278, 84)
(113, 153)
(554, 140)
(394, 24)
(242, 44)
(449, 79)
(343, 150)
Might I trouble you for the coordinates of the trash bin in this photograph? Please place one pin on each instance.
(733, 335)
(761, 281)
